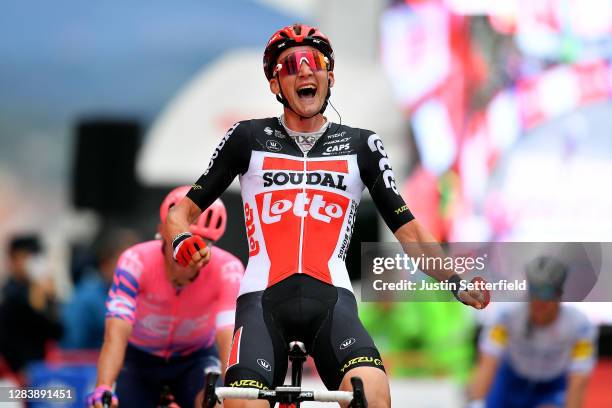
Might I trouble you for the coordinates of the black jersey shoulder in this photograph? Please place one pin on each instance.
(269, 135)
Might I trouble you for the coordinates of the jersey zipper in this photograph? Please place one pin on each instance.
(301, 238)
(302, 218)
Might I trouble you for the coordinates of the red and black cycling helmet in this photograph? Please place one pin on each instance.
(294, 36)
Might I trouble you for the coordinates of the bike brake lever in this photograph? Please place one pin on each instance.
(210, 397)
(359, 399)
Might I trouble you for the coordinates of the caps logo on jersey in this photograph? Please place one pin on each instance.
(273, 145)
(337, 148)
(268, 131)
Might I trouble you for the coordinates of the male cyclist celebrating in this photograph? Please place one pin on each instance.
(301, 181)
(165, 318)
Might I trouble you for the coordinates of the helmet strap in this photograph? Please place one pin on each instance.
(326, 97)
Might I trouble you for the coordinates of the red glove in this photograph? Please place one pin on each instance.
(185, 245)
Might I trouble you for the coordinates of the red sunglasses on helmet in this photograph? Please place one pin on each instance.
(291, 64)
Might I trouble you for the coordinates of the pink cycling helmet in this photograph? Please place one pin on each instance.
(210, 224)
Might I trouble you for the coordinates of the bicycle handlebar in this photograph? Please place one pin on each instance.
(279, 392)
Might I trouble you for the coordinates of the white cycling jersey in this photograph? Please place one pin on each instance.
(542, 353)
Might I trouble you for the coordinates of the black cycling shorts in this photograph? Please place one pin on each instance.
(322, 316)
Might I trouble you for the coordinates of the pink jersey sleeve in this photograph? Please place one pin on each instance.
(230, 274)
(121, 301)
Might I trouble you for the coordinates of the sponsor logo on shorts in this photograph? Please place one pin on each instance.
(196, 186)
(264, 364)
(347, 343)
(363, 361)
(248, 384)
(273, 145)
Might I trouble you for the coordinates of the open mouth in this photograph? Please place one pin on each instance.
(307, 91)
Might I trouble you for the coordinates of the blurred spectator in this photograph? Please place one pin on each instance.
(539, 353)
(83, 316)
(28, 318)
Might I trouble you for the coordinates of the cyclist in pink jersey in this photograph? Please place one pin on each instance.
(301, 180)
(166, 323)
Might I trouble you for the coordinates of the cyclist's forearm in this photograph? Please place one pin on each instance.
(417, 241)
(483, 377)
(179, 218)
(577, 383)
(112, 354)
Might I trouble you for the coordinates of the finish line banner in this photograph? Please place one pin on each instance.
(513, 271)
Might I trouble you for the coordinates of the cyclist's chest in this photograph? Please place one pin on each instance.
(287, 187)
(272, 172)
